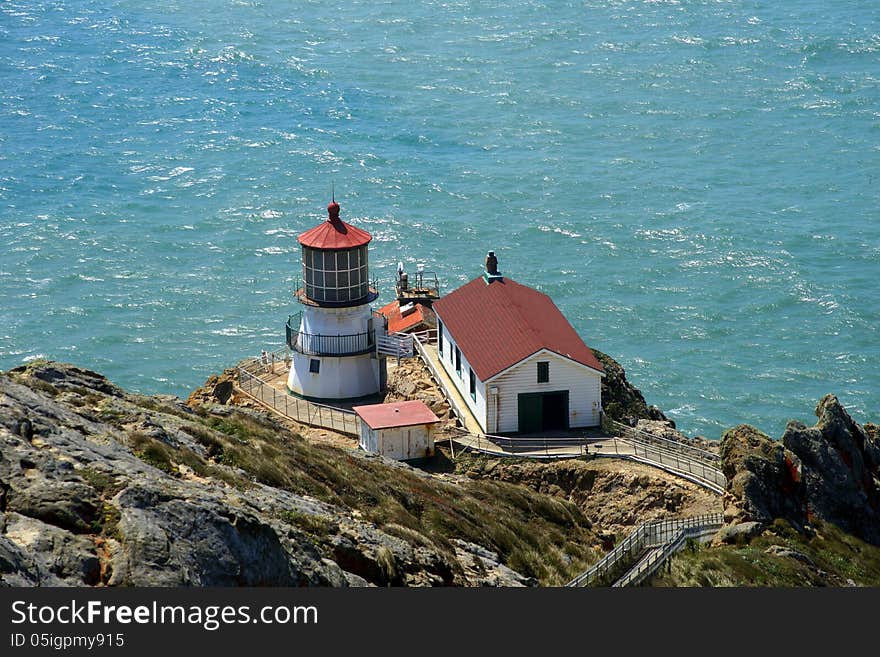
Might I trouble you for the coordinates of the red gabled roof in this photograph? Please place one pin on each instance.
(400, 323)
(334, 234)
(498, 324)
(396, 414)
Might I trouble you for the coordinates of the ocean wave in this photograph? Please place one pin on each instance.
(712, 169)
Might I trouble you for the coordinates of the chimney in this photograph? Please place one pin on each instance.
(492, 273)
(491, 264)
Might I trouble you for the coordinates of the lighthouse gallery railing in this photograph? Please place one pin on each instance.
(315, 344)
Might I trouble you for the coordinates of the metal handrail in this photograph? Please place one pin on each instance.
(694, 453)
(316, 344)
(649, 564)
(673, 460)
(427, 336)
(599, 569)
(419, 284)
(295, 408)
(417, 342)
(647, 535)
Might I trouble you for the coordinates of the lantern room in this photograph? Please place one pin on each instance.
(335, 262)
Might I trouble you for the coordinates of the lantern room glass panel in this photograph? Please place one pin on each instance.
(336, 276)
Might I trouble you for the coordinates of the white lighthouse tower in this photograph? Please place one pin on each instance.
(334, 338)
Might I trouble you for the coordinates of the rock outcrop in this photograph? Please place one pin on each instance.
(218, 389)
(79, 507)
(841, 469)
(614, 495)
(764, 479)
(830, 471)
(103, 487)
(411, 380)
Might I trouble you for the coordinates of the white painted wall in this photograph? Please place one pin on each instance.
(336, 321)
(583, 383)
(367, 440)
(401, 443)
(462, 381)
(346, 377)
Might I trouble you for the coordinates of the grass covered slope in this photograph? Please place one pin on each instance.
(780, 556)
(121, 477)
(536, 535)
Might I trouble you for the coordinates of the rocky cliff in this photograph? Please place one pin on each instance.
(799, 511)
(830, 471)
(103, 487)
(840, 466)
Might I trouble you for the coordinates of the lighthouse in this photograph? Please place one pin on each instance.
(333, 339)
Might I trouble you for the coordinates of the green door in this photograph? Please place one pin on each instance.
(543, 411)
(531, 412)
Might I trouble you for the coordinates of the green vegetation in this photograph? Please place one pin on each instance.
(151, 451)
(316, 526)
(149, 403)
(107, 523)
(828, 557)
(167, 458)
(106, 520)
(42, 386)
(102, 482)
(537, 535)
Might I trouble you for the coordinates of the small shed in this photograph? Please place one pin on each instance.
(399, 430)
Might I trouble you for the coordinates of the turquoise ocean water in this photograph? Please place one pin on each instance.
(694, 183)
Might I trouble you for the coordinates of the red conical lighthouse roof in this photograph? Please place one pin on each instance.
(334, 234)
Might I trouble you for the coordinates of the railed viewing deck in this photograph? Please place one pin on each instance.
(315, 344)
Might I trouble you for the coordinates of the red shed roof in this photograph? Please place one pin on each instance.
(334, 234)
(498, 324)
(396, 414)
(398, 323)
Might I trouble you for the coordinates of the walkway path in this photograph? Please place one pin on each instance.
(647, 548)
(429, 355)
(266, 384)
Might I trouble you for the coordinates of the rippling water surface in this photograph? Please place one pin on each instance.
(694, 183)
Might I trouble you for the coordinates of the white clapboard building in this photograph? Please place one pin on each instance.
(515, 359)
